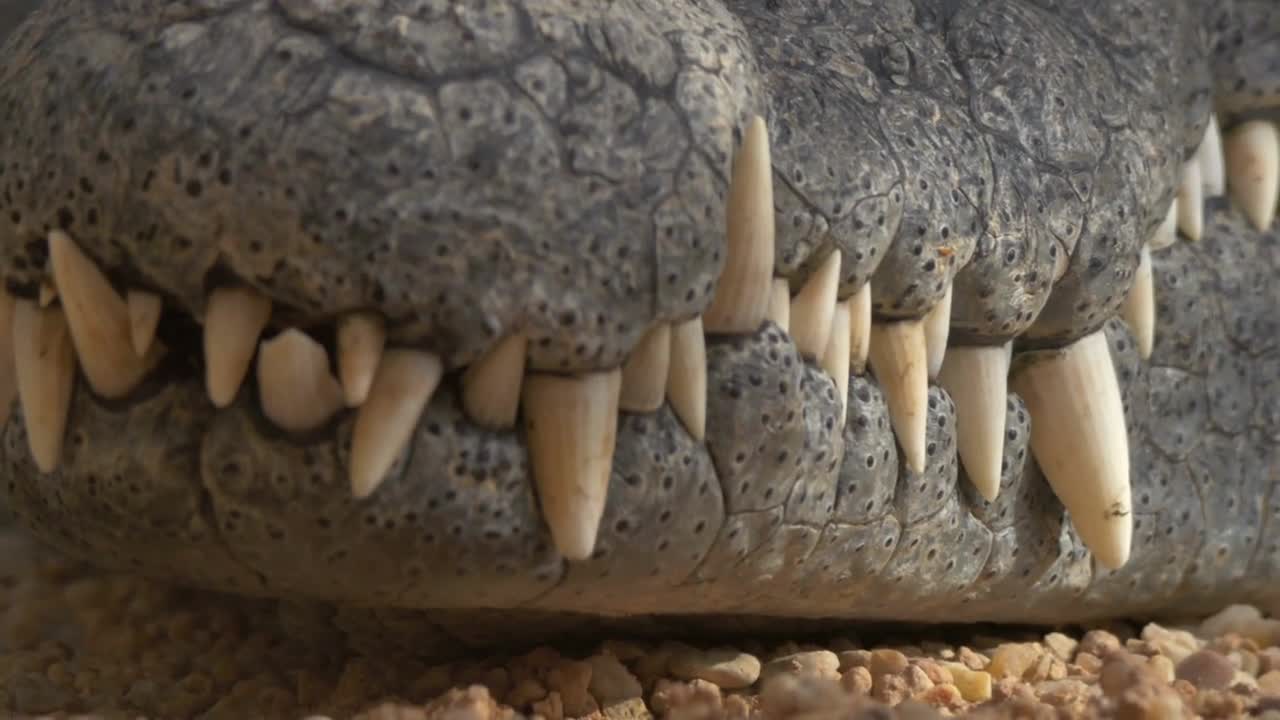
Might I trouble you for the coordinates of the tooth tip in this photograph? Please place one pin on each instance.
(899, 359)
(687, 377)
(385, 423)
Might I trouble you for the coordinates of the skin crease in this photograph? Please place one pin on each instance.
(280, 146)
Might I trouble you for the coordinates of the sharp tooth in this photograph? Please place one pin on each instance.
(644, 376)
(8, 377)
(144, 317)
(1212, 168)
(234, 319)
(1253, 169)
(1140, 305)
(780, 304)
(44, 364)
(295, 387)
(860, 328)
(937, 325)
(491, 386)
(899, 359)
(98, 319)
(1167, 233)
(361, 338)
(835, 359)
(1078, 438)
(741, 298)
(1190, 201)
(571, 424)
(48, 293)
(811, 308)
(403, 386)
(687, 379)
(977, 379)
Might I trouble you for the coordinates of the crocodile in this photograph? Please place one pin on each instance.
(459, 324)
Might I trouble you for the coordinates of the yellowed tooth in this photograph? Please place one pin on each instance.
(491, 386)
(1213, 173)
(937, 327)
(1253, 170)
(98, 319)
(687, 378)
(860, 329)
(234, 318)
(48, 292)
(44, 365)
(835, 359)
(361, 338)
(1190, 201)
(977, 379)
(8, 376)
(780, 304)
(144, 316)
(571, 425)
(1079, 439)
(899, 359)
(812, 307)
(644, 376)
(741, 299)
(1140, 305)
(385, 423)
(297, 391)
(1167, 232)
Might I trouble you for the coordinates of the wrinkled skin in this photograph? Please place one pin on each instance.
(561, 171)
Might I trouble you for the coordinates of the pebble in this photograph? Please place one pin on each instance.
(1207, 670)
(820, 663)
(728, 668)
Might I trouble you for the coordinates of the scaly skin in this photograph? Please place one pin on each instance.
(477, 169)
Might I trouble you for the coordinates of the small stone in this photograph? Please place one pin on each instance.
(974, 685)
(1268, 659)
(550, 707)
(819, 663)
(854, 658)
(570, 680)
(1173, 644)
(632, 709)
(936, 672)
(611, 681)
(697, 698)
(887, 662)
(1062, 646)
(526, 692)
(727, 668)
(973, 660)
(1207, 670)
(946, 696)
(1269, 683)
(1231, 619)
(1013, 660)
(857, 681)
(1088, 663)
(1163, 667)
(918, 681)
(1062, 693)
(1099, 643)
(890, 689)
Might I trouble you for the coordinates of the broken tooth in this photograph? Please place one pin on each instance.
(780, 304)
(1190, 201)
(44, 365)
(98, 319)
(977, 380)
(860, 328)
(8, 376)
(644, 376)
(361, 338)
(1167, 232)
(295, 387)
(571, 425)
(1212, 166)
(899, 359)
(401, 389)
(687, 378)
(1079, 440)
(144, 316)
(234, 319)
(835, 359)
(741, 298)
(491, 386)
(937, 326)
(1139, 309)
(812, 307)
(1253, 170)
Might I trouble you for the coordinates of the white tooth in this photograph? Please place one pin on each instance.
(899, 359)
(403, 386)
(144, 316)
(234, 318)
(98, 319)
(780, 304)
(1140, 305)
(297, 391)
(1167, 232)
(644, 376)
(687, 379)
(1190, 201)
(571, 425)
(835, 359)
(937, 326)
(977, 379)
(8, 377)
(48, 293)
(1253, 170)
(1061, 262)
(860, 329)
(361, 338)
(491, 386)
(1213, 172)
(1079, 439)
(44, 365)
(741, 299)
(812, 307)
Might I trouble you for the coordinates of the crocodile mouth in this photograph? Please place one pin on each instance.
(741, 312)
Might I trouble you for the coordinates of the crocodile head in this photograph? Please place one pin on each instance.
(578, 311)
